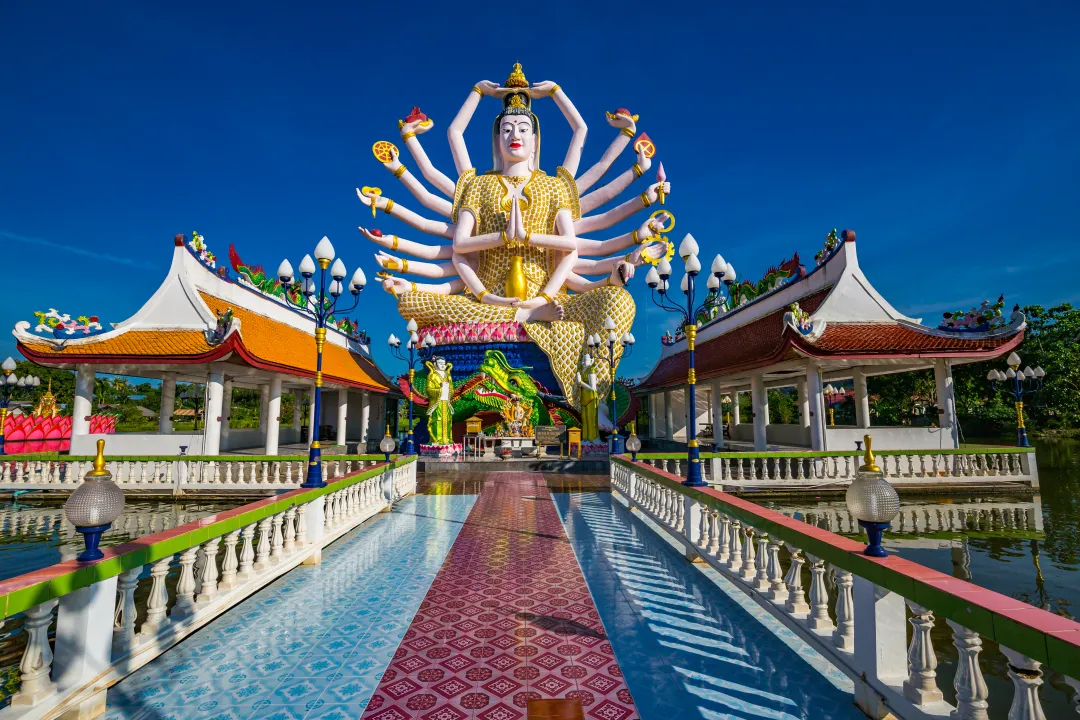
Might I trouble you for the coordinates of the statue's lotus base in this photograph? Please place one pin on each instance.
(442, 451)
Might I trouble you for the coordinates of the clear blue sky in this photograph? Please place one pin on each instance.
(946, 136)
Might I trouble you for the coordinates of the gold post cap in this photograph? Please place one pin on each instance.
(99, 462)
(869, 465)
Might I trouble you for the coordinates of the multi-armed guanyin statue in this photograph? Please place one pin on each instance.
(519, 255)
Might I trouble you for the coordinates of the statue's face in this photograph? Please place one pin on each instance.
(440, 363)
(517, 141)
(588, 361)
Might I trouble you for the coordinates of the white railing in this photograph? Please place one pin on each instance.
(175, 473)
(221, 560)
(929, 517)
(911, 467)
(767, 555)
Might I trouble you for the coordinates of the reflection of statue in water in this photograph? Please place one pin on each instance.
(516, 254)
(590, 420)
(440, 415)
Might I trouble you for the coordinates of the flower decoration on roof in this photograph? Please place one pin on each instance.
(832, 242)
(62, 326)
(198, 247)
(984, 318)
(224, 321)
(800, 321)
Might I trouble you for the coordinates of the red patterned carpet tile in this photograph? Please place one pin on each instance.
(507, 619)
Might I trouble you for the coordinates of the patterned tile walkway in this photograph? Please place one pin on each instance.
(314, 643)
(508, 618)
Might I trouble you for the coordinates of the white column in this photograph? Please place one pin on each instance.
(342, 414)
(365, 417)
(264, 409)
(83, 647)
(83, 406)
(313, 422)
(669, 415)
(946, 401)
(226, 410)
(760, 405)
(212, 433)
(654, 416)
(717, 393)
(862, 400)
(817, 407)
(804, 403)
(736, 411)
(168, 403)
(298, 405)
(273, 416)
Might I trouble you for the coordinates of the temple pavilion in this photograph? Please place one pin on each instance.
(226, 330)
(806, 330)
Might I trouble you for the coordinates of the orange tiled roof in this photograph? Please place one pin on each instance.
(148, 343)
(278, 344)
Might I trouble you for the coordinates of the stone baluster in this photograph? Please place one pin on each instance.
(278, 541)
(714, 532)
(735, 561)
(329, 507)
(185, 587)
(749, 557)
(168, 473)
(761, 578)
(971, 691)
(818, 619)
(262, 551)
(288, 472)
(290, 530)
(1026, 675)
(796, 601)
(921, 685)
(158, 601)
(228, 473)
(247, 552)
(276, 472)
(778, 590)
(124, 617)
(723, 550)
(325, 466)
(229, 565)
(844, 635)
(36, 664)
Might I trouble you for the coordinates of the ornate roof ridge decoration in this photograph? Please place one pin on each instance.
(255, 279)
(62, 327)
(800, 321)
(832, 244)
(981, 319)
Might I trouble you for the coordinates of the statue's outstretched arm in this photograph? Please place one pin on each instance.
(421, 193)
(422, 269)
(612, 190)
(577, 123)
(565, 241)
(646, 230)
(620, 212)
(420, 250)
(465, 244)
(396, 286)
(456, 132)
(409, 133)
(431, 227)
(627, 125)
(461, 262)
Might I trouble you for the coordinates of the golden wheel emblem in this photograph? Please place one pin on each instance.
(664, 229)
(384, 151)
(667, 255)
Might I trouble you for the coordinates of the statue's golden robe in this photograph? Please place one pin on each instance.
(543, 196)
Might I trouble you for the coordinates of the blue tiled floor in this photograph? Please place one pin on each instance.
(315, 642)
(690, 644)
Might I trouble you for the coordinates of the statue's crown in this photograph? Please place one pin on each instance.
(517, 78)
(517, 101)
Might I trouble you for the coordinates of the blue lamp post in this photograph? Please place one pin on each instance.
(1018, 384)
(418, 352)
(657, 280)
(12, 388)
(319, 303)
(605, 350)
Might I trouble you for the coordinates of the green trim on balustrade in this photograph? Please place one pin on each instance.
(989, 450)
(171, 458)
(1057, 654)
(28, 597)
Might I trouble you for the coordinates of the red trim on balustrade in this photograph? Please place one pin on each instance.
(1035, 618)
